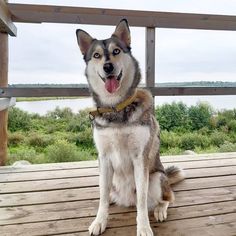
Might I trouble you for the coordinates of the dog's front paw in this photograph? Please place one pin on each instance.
(98, 226)
(144, 231)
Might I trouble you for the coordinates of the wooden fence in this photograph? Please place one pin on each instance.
(10, 13)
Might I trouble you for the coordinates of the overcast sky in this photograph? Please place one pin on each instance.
(48, 53)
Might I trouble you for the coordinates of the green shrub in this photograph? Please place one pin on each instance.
(232, 137)
(64, 113)
(169, 139)
(225, 117)
(87, 154)
(15, 139)
(18, 120)
(210, 149)
(61, 151)
(218, 138)
(232, 125)
(80, 122)
(71, 137)
(173, 151)
(85, 138)
(228, 147)
(187, 142)
(173, 116)
(190, 141)
(204, 131)
(200, 115)
(213, 122)
(40, 140)
(224, 129)
(26, 153)
(77, 125)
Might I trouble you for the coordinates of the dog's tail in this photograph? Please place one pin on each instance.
(174, 174)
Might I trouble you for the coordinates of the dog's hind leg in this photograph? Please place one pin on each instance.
(159, 195)
(160, 211)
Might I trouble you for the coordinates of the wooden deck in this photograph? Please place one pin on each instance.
(62, 199)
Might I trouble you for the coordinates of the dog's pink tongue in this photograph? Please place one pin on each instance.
(111, 85)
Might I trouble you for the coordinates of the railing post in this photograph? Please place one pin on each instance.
(3, 83)
(150, 57)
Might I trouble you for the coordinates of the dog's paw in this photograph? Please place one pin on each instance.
(98, 226)
(160, 212)
(144, 231)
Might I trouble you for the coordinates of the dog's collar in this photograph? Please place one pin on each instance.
(101, 110)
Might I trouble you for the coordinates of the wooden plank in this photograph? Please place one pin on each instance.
(206, 183)
(6, 24)
(183, 198)
(150, 57)
(156, 91)
(44, 175)
(49, 175)
(88, 208)
(204, 163)
(20, 199)
(207, 226)
(202, 196)
(208, 172)
(51, 184)
(196, 157)
(101, 16)
(213, 159)
(3, 83)
(69, 183)
(49, 167)
(6, 103)
(73, 173)
(201, 163)
(121, 220)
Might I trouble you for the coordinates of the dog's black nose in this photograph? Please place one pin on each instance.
(108, 67)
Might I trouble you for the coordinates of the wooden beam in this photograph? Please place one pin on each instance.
(156, 91)
(99, 16)
(192, 91)
(6, 24)
(3, 83)
(6, 103)
(150, 57)
(44, 92)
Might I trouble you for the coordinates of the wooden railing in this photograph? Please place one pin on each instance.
(10, 13)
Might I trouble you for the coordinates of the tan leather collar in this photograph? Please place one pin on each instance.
(117, 108)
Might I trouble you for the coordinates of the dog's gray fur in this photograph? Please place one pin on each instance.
(128, 141)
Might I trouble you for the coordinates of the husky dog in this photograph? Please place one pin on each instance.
(125, 132)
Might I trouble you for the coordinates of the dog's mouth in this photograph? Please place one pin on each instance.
(112, 82)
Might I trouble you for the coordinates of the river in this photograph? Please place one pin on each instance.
(42, 107)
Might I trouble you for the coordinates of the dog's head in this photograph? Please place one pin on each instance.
(111, 70)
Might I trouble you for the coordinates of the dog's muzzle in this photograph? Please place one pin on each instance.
(111, 76)
(112, 82)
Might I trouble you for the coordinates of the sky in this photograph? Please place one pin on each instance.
(48, 53)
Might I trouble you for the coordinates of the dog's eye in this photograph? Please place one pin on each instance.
(96, 55)
(116, 51)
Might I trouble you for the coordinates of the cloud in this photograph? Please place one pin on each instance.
(48, 53)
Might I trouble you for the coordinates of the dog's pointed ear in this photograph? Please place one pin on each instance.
(122, 32)
(84, 40)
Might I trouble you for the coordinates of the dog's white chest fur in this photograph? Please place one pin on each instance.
(121, 146)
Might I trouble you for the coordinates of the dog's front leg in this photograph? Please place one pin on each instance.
(105, 180)
(141, 174)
